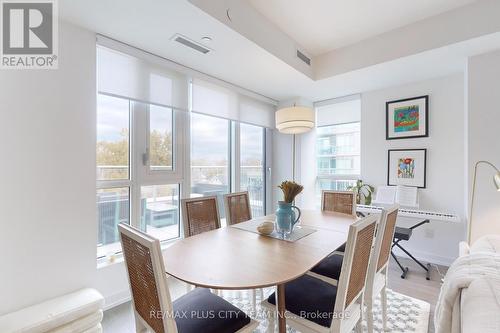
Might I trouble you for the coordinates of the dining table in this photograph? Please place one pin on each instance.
(232, 258)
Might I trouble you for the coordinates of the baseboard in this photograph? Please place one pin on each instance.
(116, 299)
(426, 257)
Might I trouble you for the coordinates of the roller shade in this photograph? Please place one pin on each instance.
(338, 111)
(123, 75)
(215, 100)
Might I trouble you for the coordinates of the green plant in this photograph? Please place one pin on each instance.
(364, 192)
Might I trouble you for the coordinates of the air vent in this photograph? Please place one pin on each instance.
(191, 44)
(304, 58)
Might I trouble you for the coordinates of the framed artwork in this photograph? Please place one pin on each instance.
(407, 167)
(407, 118)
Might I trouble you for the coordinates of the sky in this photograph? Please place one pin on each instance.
(209, 137)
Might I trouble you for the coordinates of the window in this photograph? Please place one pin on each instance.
(210, 157)
(252, 156)
(160, 138)
(112, 208)
(113, 165)
(157, 212)
(160, 211)
(141, 144)
(338, 144)
(113, 127)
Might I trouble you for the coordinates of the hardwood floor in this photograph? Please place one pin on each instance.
(120, 319)
(415, 284)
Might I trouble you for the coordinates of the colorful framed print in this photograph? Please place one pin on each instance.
(407, 118)
(407, 167)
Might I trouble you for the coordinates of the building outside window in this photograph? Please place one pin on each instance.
(338, 144)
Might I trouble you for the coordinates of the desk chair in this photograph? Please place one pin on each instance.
(404, 234)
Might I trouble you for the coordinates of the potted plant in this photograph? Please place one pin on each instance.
(364, 192)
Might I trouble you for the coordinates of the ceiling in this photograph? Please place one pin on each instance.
(323, 25)
(239, 61)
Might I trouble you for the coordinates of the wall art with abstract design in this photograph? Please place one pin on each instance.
(407, 167)
(407, 118)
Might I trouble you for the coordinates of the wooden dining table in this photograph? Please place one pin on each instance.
(234, 259)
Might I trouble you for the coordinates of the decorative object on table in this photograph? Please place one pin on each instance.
(496, 181)
(363, 192)
(295, 117)
(285, 216)
(407, 167)
(266, 228)
(407, 118)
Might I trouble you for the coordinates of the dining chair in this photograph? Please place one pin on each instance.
(318, 306)
(237, 206)
(200, 215)
(343, 202)
(329, 270)
(153, 308)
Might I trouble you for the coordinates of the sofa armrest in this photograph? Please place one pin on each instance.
(463, 249)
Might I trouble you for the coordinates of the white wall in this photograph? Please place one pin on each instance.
(445, 192)
(47, 193)
(483, 114)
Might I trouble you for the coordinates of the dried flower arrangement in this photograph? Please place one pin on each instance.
(290, 190)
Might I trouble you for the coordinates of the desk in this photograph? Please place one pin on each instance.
(231, 258)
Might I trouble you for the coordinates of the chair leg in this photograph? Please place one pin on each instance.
(139, 326)
(369, 315)
(383, 301)
(359, 326)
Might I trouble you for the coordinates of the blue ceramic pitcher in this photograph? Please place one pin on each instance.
(286, 217)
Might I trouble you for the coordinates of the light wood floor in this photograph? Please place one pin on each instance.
(120, 318)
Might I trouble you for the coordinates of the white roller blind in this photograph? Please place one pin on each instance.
(136, 78)
(341, 111)
(215, 100)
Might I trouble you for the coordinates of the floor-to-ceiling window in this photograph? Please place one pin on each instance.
(146, 160)
(139, 176)
(338, 144)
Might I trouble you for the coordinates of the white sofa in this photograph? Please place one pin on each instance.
(480, 301)
(78, 312)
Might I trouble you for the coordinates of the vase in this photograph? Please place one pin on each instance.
(286, 218)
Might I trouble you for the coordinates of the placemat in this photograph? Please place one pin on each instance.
(296, 234)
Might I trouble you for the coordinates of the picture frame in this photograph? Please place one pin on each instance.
(407, 167)
(407, 118)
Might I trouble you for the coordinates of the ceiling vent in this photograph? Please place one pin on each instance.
(304, 58)
(190, 43)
